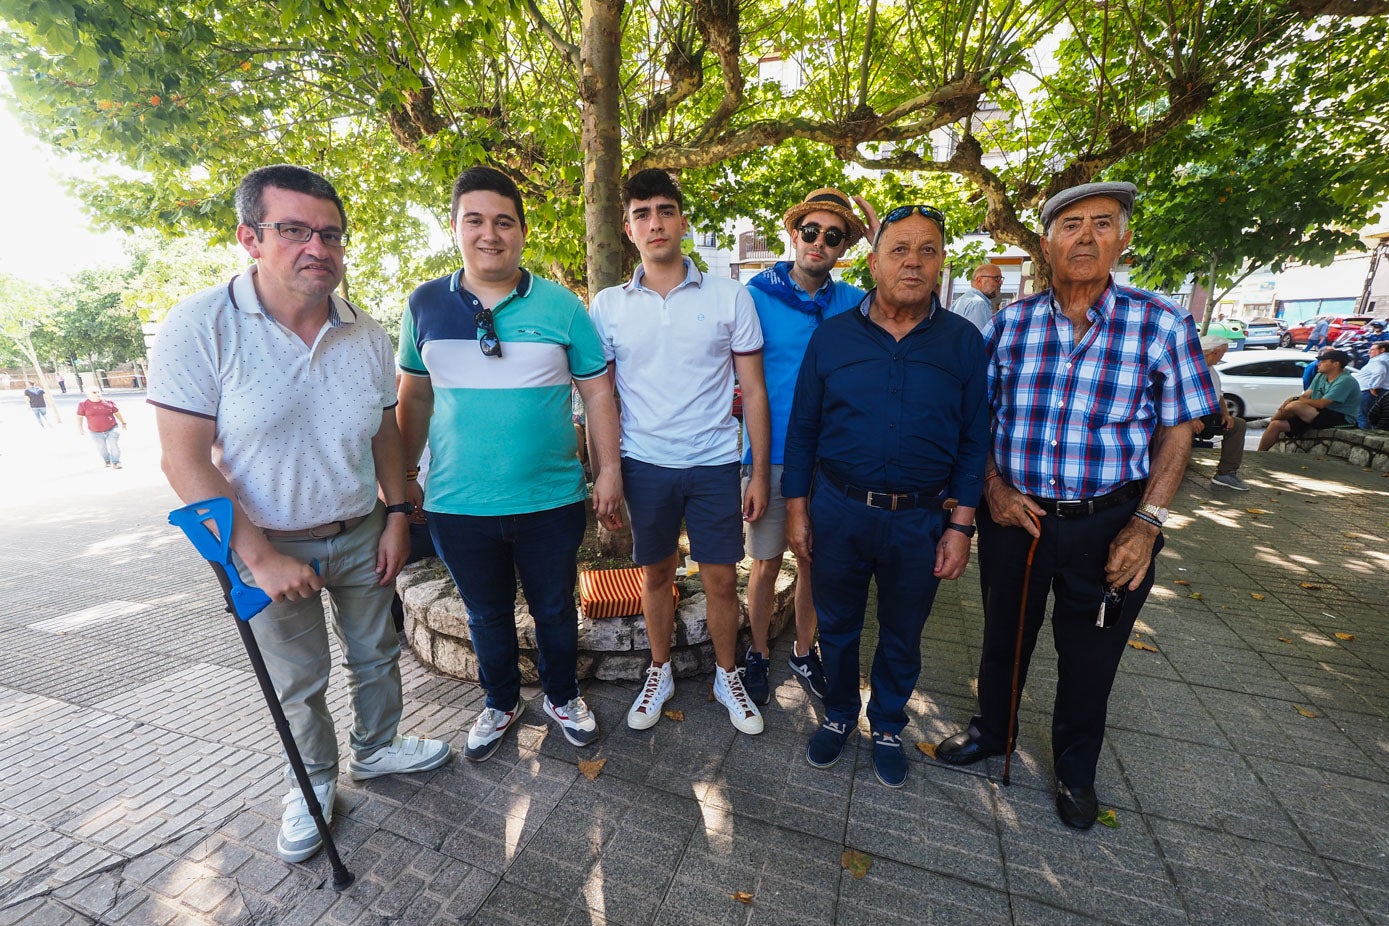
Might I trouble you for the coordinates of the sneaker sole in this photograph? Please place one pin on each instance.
(1226, 485)
(568, 734)
(830, 764)
(752, 726)
(885, 782)
(640, 721)
(298, 855)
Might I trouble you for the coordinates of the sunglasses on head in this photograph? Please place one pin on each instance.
(901, 212)
(487, 340)
(833, 236)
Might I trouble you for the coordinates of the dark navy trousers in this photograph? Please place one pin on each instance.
(1069, 565)
(854, 544)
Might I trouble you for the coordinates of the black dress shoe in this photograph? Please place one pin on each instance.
(1077, 807)
(961, 749)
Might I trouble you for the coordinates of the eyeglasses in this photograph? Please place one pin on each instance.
(293, 231)
(901, 212)
(833, 236)
(487, 340)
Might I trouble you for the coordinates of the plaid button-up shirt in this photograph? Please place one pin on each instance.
(1074, 420)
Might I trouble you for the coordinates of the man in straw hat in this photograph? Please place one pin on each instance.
(1094, 388)
(792, 297)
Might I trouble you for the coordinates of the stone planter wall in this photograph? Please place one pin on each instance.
(610, 648)
(1368, 449)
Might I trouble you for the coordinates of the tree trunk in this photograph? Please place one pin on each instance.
(602, 140)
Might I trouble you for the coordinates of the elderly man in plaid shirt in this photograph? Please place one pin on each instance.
(1094, 388)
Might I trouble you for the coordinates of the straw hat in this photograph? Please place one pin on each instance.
(827, 199)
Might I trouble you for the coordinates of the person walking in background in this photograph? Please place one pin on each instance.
(1320, 330)
(38, 403)
(62, 383)
(98, 417)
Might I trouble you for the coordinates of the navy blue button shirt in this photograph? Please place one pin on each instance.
(889, 415)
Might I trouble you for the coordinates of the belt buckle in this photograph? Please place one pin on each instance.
(314, 531)
(890, 506)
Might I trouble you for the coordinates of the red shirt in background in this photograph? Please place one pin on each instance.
(101, 416)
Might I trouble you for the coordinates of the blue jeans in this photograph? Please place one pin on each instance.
(485, 555)
(108, 444)
(897, 551)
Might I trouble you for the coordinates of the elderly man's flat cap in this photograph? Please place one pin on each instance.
(1123, 192)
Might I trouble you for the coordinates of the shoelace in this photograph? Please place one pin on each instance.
(577, 710)
(736, 690)
(888, 739)
(650, 690)
(834, 726)
(487, 721)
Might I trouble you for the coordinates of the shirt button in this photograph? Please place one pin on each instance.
(1053, 443)
(1060, 404)
(1068, 366)
(1051, 482)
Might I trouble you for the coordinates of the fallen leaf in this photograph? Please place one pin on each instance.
(1346, 549)
(1197, 595)
(1256, 596)
(856, 863)
(709, 695)
(590, 770)
(1351, 534)
(1181, 582)
(674, 714)
(1304, 712)
(1310, 586)
(927, 749)
(1256, 511)
(1109, 818)
(1345, 636)
(1284, 640)
(1145, 647)
(741, 896)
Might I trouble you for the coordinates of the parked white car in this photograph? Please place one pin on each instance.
(1255, 384)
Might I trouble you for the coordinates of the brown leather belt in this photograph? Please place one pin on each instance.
(321, 532)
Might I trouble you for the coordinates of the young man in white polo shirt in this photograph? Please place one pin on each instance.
(675, 338)
(275, 393)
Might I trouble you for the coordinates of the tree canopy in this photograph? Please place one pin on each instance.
(988, 105)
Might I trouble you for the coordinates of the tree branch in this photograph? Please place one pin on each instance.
(565, 47)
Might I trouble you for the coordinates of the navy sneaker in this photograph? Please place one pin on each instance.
(755, 667)
(889, 762)
(810, 670)
(827, 745)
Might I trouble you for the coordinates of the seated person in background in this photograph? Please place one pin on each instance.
(1222, 423)
(1373, 379)
(1332, 401)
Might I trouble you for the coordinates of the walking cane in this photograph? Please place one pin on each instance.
(245, 602)
(1017, 656)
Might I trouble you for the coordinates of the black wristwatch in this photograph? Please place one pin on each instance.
(966, 529)
(405, 508)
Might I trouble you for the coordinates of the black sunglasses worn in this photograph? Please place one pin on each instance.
(487, 340)
(833, 236)
(901, 212)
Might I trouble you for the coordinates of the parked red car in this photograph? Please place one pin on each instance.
(738, 401)
(1340, 324)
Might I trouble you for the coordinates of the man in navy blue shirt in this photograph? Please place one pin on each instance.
(884, 466)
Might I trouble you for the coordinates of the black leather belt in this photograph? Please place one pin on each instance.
(320, 532)
(1087, 506)
(888, 501)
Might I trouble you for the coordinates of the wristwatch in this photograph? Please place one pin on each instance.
(966, 529)
(1153, 511)
(405, 508)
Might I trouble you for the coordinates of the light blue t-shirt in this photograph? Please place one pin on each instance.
(501, 436)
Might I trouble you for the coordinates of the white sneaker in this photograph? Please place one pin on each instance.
(406, 754)
(729, 691)
(299, 837)
(646, 709)
(487, 731)
(575, 720)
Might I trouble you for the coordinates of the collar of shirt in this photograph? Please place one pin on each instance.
(777, 281)
(241, 290)
(522, 290)
(866, 305)
(1102, 309)
(693, 277)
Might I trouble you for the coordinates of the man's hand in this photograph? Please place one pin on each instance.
(607, 498)
(952, 555)
(1198, 426)
(1130, 554)
(285, 578)
(1227, 421)
(798, 534)
(1010, 507)
(393, 549)
(757, 496)
(870, 216)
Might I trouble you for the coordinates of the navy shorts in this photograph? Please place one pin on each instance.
(707, 498)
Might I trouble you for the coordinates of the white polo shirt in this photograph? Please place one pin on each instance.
(294, 422)
(674, 363)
